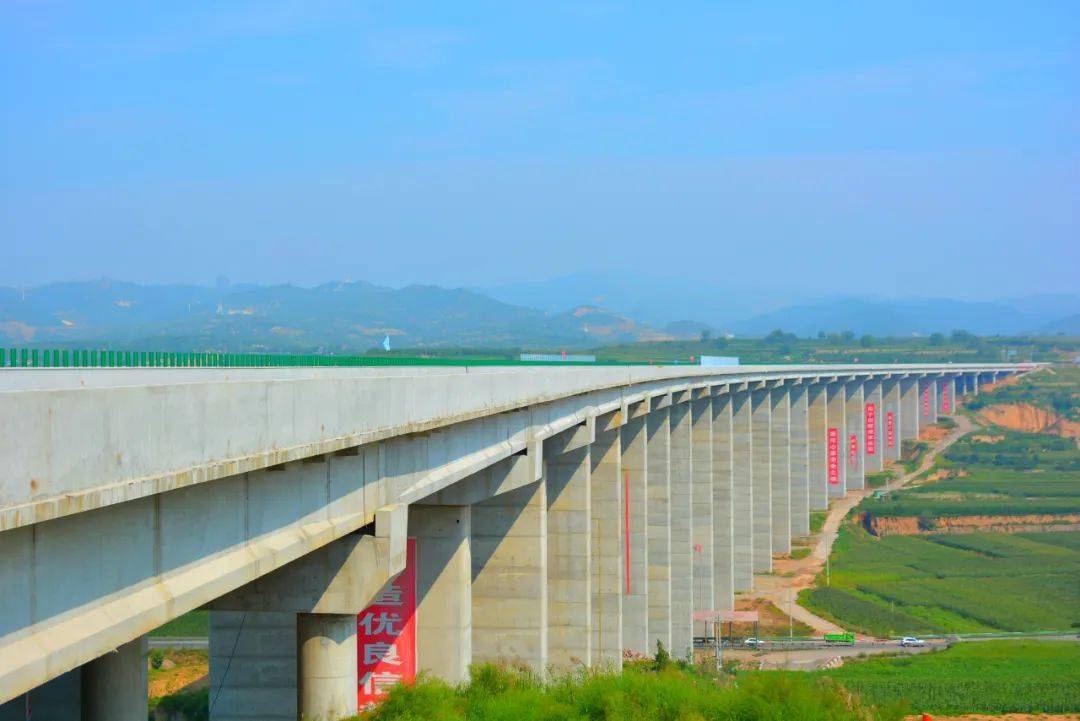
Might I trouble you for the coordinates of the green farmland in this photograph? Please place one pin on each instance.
(1018, 473)
(977, 677)
(939, 584)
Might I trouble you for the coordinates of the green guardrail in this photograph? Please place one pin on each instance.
(81, 358)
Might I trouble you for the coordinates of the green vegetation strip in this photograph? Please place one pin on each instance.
(192, 624)
(942, 584)
(64, 358)
(1014, 474)
(643, 692)
(975, 677)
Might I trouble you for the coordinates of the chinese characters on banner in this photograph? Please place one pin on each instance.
(871, 429)
(945, 398)
(386, 636)
(853, 450)
(833, 456)
(926, 402)
(890, 429)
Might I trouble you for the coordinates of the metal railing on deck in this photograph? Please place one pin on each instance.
(70, 358)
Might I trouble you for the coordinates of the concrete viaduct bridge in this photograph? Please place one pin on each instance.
(559, 514)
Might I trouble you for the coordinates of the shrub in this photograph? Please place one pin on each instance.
(642, 692)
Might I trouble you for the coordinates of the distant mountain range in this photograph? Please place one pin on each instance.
(356, 316)
(330, 317)
(905, 317)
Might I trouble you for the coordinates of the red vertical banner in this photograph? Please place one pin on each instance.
(871, 429)
(926, 402)
(946, 401)
(853, 450)
(833, 456)
(386, 636)
(890, 429)
(626, 529)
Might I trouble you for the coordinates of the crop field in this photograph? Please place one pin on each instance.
(936, 584)
(1018, 474)
(972, 677)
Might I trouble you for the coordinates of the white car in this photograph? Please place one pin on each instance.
(752, 642)
(912, 641)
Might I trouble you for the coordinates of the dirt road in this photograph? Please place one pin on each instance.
(792, 575)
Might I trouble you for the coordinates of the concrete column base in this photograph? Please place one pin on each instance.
(509, 578)
(114, 685)
(326, 670)
(443, 590)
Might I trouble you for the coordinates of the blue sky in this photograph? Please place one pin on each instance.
(893, 148)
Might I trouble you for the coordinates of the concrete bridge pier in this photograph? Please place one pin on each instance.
(817, 423)
(510, 578)
(742, 463)
(568, 475)
(326, 668)
(799, 442)
(780, 468)
(852, 450)
(607, 542)
(682, 522)
(928, 402)
(703, 467)
(836, 424)
(723, 503)
(658, 425)
(873, 396)
(114, 685)
(760, 427)
(635, 603)
(443, 589)
(911, 413)
(890, 408)
(946, 395)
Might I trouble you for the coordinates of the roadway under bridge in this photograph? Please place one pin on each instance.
(559, 514)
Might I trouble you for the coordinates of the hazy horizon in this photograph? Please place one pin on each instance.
(815, 152)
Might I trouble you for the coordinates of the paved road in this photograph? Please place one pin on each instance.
(193, 642)
(823, 656)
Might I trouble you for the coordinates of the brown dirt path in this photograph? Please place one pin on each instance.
(790, 576)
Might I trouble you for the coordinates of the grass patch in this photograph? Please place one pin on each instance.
(643, 692)
(192, 623)
(188, 705)
(990, 677)
(817, 520)
(972, 583)
(798, 553)
(878, 479)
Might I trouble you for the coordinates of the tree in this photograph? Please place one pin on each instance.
(706, 335)
(937, 339)
(867, 341)
(778, 336)
(847, 336)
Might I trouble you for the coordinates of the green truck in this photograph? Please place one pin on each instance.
(840, 639)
